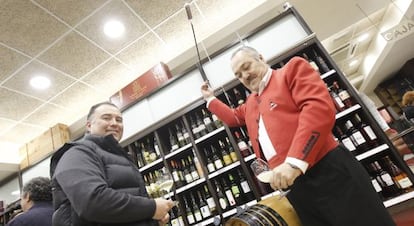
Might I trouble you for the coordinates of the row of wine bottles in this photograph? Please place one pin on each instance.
(356, 135)
(388, 179)
(232, 190)
(340, 96)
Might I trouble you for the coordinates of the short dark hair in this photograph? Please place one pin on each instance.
(39, 189)
(94, 107)
(250, 50)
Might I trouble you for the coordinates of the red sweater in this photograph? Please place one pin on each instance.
(297, 111)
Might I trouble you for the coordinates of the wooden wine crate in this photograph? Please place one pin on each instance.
(24, 163)
(42, 146)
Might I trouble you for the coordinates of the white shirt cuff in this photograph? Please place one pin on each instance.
(302, 165)
(208, 100)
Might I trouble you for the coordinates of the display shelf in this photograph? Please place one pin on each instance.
(347, 111)
(211, 134)
(372, 152)
(399, 199)
(190, 185)
(328, 74)
(250, 157)
(179, 150)
(150, 165)
(223, 170)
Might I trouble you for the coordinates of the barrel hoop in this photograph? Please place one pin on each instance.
(252, 219)
(274, 214)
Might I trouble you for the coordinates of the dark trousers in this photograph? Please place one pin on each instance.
(337, 191)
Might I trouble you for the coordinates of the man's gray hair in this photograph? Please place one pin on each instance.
(249, 50)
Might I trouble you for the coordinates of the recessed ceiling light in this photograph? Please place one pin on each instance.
(353, 63)
(40, 82)
(16, 192)
(363, 37)
(114, 29)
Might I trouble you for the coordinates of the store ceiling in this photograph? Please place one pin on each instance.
(64, 41)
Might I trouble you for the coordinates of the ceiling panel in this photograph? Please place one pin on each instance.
(15, 106)
(10, 62)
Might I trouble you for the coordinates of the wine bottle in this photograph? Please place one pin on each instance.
(339, 105)
(367, 131)
(244, 149)
(145, 153)
(195, 129)
(235, 190)
(399, 176)
(217, 122)
(207, 121)
(218, 163)
(180, 136)
(140, 158)
(196, 209)
(374, 181)
(210, 164)
(210, 201)
(224, 204)
(189, 212)
(186, 134)
(205, 210)
(225, 154)
(197, 165)
(175, 173)
(357, 137)
(321, 62)
(152, 154)
(345, 140)
(186, 171)
(173, 141)
(193, 170)
(389, 187)
(247, 191)
(201, 127)
(233, 154)
(343, 94)
(228, 192)
(156, 147)
(311, 62)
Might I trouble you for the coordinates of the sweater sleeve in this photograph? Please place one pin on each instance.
(80, 174)
(231, 116)
(317, 112)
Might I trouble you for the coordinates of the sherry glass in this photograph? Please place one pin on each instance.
(264, 174)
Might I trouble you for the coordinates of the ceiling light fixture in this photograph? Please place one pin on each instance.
(353, 63)
(40, 82)
(363, 37)
(114, 29)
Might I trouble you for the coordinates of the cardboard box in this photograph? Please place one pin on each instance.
(142, 86)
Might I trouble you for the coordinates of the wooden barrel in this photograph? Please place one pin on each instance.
(268, 212)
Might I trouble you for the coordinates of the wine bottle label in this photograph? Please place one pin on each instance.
(242, 145)
(211, 204)
(207, 121)
(348, 144)
(339, 102)
(180, 221)
(186, 135)
(344, 95)
(359, 138)
(235, 190)
(218, 164)
(175, 175)
(387, 179)
(188, 178)
(197, 215)
(211, 167)
(157, 150)
(405, 183)
(174, 222)
(376, 185)
(230, 197)
(205, 211)
(233, 156)
(227, 159)
(174, 147)
(223, 203)
(194, 175)
(370, 132)
(190, 218)
(245, 186)
(153, 156)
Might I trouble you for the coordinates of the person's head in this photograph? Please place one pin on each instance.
(249, 67)
(38, 189)
(408, 98)
(104, 119)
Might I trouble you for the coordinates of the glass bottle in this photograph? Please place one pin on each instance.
(321, 62)
(210, 201)
(356, 136)
(239, 97)
(180, 135)
(246, 190)
(367, 131)
(207, 120)
(389, 187)
(205, 210)
(343, 94)
(311, 62)
(225, 154)
(244, 149)
(173, 141)
(399, 176)
(233, 154)
(345, 140)
(235, 189)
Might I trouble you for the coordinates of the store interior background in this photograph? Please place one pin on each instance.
(65, 41)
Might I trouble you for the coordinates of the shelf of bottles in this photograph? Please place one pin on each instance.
(209, 162)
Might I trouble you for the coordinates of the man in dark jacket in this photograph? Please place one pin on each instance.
(96, 183)
(36, 203)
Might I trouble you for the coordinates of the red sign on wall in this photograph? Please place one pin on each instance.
(143, 85)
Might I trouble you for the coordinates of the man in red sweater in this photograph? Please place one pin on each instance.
(289, 117)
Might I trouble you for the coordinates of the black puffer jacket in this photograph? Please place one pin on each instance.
(96, 183)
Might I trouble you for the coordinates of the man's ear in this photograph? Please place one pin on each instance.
(88, 126)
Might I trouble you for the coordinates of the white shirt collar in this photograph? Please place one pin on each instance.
(265, 80)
